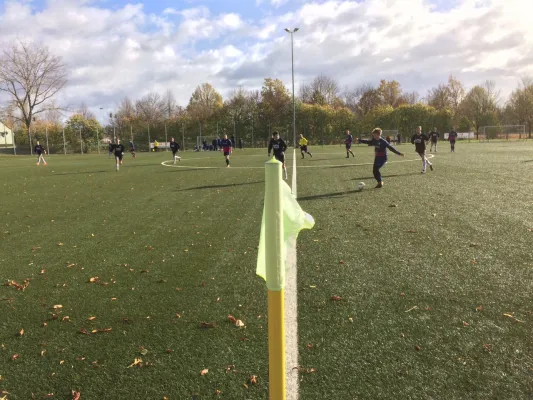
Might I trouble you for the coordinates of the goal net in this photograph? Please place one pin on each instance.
(392, 133)
(200, 142)
(503, 132)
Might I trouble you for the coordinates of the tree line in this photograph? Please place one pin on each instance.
(32, 76)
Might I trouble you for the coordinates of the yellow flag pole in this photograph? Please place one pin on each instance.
(275, 279)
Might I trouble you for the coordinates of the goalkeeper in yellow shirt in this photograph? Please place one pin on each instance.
(303, 146)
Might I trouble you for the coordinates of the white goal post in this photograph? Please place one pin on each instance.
(503, 132)
(393, 133)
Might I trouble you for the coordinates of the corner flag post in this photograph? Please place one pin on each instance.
(275, 278)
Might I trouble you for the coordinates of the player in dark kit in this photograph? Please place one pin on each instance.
(452, 137)
(348, 140)
(434, 136)
(303, 146)
(419, 139)
(226, 148)
(380, 146)
(278, 146)
(175, 147)
(118, 149)
(132, 149)
(39, 150)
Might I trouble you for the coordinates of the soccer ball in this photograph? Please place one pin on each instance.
(360, 186)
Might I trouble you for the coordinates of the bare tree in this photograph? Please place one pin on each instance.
(150, 108)
(32, 76)
(169, 103)
(322, 90)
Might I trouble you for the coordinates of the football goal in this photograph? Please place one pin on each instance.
(503, 132)
(392, 133)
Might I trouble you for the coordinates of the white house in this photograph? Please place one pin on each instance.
(6, 136)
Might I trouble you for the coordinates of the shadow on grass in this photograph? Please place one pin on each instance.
(528, 161)
(327, 195)
(387, 176)
(220, 186)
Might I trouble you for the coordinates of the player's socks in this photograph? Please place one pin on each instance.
(353, 155)
(431, 167)
(310, 155)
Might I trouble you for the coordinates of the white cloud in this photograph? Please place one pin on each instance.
(130, 52)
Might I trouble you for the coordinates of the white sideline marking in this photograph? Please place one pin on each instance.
(299, 166)
(291, 324)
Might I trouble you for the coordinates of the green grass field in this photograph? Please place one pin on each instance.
(434, 273)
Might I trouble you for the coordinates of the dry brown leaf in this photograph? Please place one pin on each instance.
(60, 244)
(230, 367)
(418, 348)
(57, 307)
(61, 362)
(21, 333)
(204, 371)
(43, 353)
(411, 231)
(252, 380)
(465, 323)
(239, 323)
(43, 271)
(336, 298)
(94, 279)
(231, 318)
(84, 331)
(75, 395)
(218, 392)
(479, 308)
(207, 325)
(136, 362)
(65, 319)
(14, 357)
(91, 318)
(487, 347)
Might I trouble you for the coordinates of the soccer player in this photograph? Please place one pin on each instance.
(303, 146)
(118, 148)
(39, 150)
(226, 148)
(132, 149)
(434, 136)
(452, 137)
(380, 146)
(419, 139)
(279, 146)
(175, 147)
(348, 140)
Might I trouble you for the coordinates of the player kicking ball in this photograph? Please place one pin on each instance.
(118, 149)
(226, 148)
(303, 146)
(419, 139)
(380, 148)
(278, 146)
(175, 147)
(39, 150)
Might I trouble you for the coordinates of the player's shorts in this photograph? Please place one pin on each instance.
(348, 146)
(280, 157)
(303, 148)
(174, 152)
(433, 140)
(226, 153)
(119, 156)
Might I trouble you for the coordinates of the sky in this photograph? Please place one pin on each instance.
(116, 48)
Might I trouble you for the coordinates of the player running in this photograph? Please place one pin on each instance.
(419, 139)
(452, 137)
(348, 140)
(434, 136)
(226, 148)
(175, 147)
(303, 146)
(118, 149)
(132, 149)
(279, 146)
(380, 146)
(39, 150)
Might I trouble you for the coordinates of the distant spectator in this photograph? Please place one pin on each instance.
(240, 143)
(399, 138)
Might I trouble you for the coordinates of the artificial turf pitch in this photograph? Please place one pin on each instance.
(419, 290)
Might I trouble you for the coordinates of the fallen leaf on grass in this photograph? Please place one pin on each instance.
(239, 323)
(204, 372)
(94, 279)
(252, 380)
(207, 325)
(61, 362)
(487, 347)
(341, 262)
(143, 351)
(411, 231)
(512, 317)
(65, 319)
(336, 298)
(231, 318)
(43, 271)
(418, 348)
(474, 261)
(465, 323)
(19, 286)
(21, 333)
(136, 362)
(60, 244)
(305, 370)
(84, 331)
(57, 307)
(309, 346)
(91, 318)
(104, 330)
(14, 357)
(35, 248)
(350, 319)
(43, 352)
(218, 392)
(230, 368)
(479, 308)
(71, 265)
(75, 395)
(411, 309)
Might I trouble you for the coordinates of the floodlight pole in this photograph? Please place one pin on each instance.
(293, 98)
